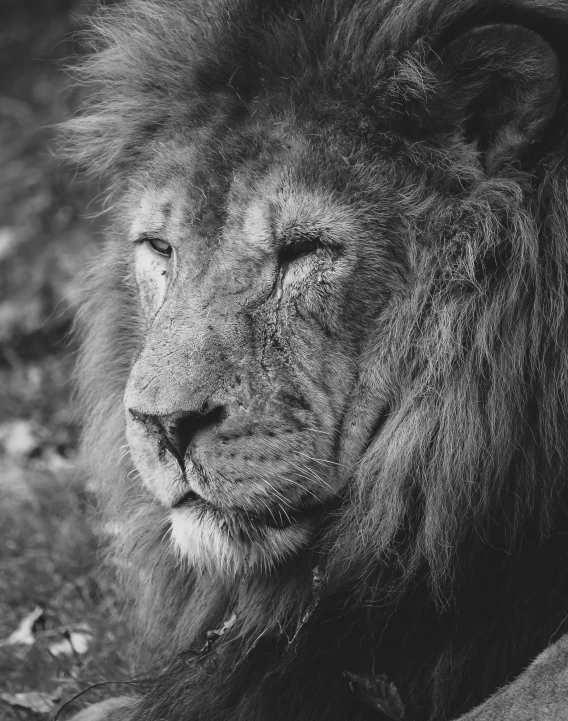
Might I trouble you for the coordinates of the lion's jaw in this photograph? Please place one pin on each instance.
(230, 543)
(227, 524)
(242, 348)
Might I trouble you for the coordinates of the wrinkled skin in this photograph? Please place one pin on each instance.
(249, 358)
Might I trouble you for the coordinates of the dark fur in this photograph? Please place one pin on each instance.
(446, 562)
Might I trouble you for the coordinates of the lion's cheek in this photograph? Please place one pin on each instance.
(158, 471)
(151, 279)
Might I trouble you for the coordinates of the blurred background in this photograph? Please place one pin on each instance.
(61, 628)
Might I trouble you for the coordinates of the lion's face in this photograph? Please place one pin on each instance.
(256, 294)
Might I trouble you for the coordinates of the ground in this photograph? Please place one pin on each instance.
(50, 225)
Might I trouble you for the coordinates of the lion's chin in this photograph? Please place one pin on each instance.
(229, 546)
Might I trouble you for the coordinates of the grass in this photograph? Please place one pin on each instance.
(50, 559)
(48, 554)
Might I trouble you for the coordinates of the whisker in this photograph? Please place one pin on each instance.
(317, 430)
(277, 493)
(310, 473)
(319, 460)
(295, 483)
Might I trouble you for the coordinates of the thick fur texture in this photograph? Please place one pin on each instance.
(541, 692)
(437, 131)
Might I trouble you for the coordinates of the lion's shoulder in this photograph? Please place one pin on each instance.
(540, 693)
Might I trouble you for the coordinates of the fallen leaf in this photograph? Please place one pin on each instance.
(318, 580)
(80, 641)
(8, 242)
(198, 654)
(377, 692)
(33, 700)
(24, 633)
(216, 633)
(18, 438)
(77, 642)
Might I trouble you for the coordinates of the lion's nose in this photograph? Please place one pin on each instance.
(176, 430)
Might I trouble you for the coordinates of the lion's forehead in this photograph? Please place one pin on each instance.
(277, 206)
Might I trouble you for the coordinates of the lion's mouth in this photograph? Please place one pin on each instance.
(278, 518)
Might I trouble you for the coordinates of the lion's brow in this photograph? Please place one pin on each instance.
(312, 229)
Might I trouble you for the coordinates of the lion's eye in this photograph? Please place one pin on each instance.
(298, 250)
(159, 246)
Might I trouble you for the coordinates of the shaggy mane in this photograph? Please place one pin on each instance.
(462, 492)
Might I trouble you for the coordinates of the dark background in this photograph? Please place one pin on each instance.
(50, 224)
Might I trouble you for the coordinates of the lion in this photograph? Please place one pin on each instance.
(325, 353)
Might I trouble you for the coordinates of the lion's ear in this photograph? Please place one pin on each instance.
(504, 82)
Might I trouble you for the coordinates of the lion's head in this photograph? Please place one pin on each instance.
(329, 321)
(261, 283)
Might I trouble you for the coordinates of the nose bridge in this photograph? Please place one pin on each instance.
(185, 361)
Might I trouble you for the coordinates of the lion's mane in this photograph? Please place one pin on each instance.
(444, 565)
